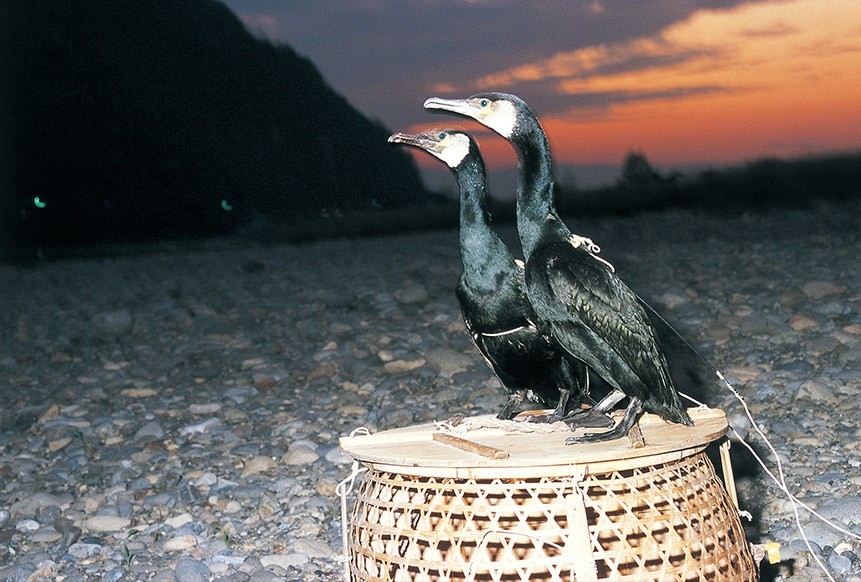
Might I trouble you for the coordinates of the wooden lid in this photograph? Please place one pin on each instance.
(506, 452)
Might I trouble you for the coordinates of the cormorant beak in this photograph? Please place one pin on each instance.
(419, 140)
(465, 107)
(500, 115)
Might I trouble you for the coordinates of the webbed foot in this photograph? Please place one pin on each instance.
(545, 418)
(587, 418)
(632, 413)
(509, 409)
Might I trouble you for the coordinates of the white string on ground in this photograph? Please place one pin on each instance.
(781, 480)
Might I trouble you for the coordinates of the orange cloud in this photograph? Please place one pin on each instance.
(771, 78)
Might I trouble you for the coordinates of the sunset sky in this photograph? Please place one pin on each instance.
(685, 82)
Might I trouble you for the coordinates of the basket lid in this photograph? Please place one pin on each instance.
(507, 452)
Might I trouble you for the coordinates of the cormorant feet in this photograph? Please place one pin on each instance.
(587, 418)
(616, 432)
(544, 418)
(509, 409)
(632, 413)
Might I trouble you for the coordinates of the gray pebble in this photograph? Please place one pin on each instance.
(250, 565)
(266, 576)
(839, 563)
(228, 559)
(24, 571)
(141, 484)
(30, 504)
(412, 293)
(334, 455)
(47, 514)
(150, 431)
(83, 550)
(189, 570)
(846, 509)
(160, 500)
(27, 525)
(165, 575)
(245, 450)
(112, 324)
(200, 427)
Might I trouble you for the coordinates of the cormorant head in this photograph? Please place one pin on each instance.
(501, 112)
(448, 145)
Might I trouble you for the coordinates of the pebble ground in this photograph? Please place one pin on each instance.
(174, 415)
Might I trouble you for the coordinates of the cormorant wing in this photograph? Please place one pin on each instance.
(597, 318)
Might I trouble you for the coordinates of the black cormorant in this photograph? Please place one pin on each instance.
(588, 309)
(491, 293)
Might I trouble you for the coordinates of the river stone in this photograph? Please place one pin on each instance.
(104, 523)
(111, 324)
(299, 454)
(190, 570)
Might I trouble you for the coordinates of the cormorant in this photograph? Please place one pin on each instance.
(587, 308)
(491, 293)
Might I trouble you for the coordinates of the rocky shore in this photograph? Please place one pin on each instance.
(175, 415)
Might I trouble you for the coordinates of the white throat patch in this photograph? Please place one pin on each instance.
(501, 119)
(452, 149)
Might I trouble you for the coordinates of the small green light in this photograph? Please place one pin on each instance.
(226, 206)
(38, 202)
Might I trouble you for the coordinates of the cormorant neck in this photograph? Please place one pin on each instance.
(536, 199)
(480, 248)
(471, 181)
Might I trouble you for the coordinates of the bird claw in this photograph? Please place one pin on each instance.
(545, 418)
(632, 413)
(593, 437)
(587, 418)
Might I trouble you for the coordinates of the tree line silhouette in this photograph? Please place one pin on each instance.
(758, 185)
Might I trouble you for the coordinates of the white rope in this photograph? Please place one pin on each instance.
(578, 241)
(344, 488)
(581, 241)
(780, 478)
(502, 333)
(491, 422)
(779, 481)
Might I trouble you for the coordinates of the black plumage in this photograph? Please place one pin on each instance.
(575, 294)
(497, 313)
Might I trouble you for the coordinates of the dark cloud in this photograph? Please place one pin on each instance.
(386, 56)
(546, 101)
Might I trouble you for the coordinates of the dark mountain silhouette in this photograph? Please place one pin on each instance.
(128, 120)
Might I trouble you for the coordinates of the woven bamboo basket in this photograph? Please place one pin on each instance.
(496, 504)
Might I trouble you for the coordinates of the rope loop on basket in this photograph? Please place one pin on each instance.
(343, 489)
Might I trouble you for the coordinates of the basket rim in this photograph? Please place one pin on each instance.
(412, 450)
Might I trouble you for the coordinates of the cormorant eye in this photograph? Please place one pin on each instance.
(484, 102)
(441, 135)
